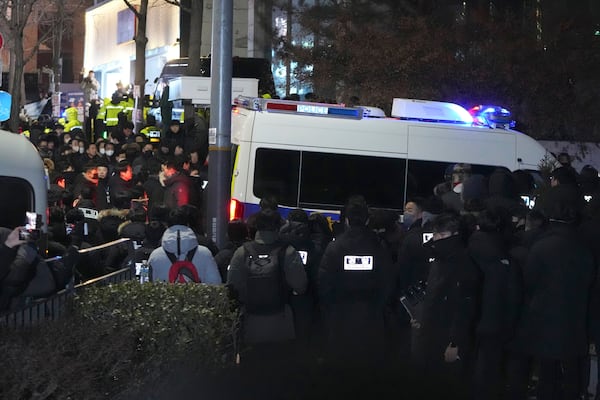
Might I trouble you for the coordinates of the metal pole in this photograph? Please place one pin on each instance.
(219, 170)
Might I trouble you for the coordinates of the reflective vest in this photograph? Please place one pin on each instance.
(111, 117)
(152, 133)
(128, 106)
(72, 119)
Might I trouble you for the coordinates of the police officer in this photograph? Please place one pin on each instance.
(354, 286)
(442, 339)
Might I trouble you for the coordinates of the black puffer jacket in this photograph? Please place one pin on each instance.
(298, 235)
(17, 270)
(558, 278)
(355, 284)
(448, 310)
(490, 253)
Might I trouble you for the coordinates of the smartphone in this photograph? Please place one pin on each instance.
(31, 231)
(528, 201)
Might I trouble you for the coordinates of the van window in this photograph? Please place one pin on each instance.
(16, 197)
(326, 180)
(423, 176)
(329, 179)
(276, 174)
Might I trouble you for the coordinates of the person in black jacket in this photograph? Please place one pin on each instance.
(442, 333)
(103, 195)
(296, 232)
(489, 250)
(9, 244)
(17, 265)
(237, 233)
(355, 284)
(557, 279)
(121, 181)
(178, 187)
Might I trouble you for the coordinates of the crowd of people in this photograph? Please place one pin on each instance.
(478, 291)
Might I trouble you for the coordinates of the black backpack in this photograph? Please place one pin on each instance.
(267, 291)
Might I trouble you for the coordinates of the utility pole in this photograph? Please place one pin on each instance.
(219, 136)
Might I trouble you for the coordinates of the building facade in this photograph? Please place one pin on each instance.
(110, 29)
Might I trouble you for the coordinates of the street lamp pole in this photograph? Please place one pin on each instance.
(219, 138)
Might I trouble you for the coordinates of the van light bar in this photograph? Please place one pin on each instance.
(300, 108)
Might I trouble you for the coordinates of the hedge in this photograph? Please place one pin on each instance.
(121, 340)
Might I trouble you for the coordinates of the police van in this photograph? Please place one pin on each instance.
(23, 182)
(314, 156)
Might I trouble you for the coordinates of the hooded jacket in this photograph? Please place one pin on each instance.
(203, 260)
(177, 190)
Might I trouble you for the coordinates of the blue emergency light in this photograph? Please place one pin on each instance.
(492, 116)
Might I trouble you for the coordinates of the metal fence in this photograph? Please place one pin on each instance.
(53, 307)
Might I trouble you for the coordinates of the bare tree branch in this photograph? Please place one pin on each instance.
(132, 8)
(178, 4)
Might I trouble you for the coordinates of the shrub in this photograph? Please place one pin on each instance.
(118, 339)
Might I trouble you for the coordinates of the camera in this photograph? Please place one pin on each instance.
(31, 232)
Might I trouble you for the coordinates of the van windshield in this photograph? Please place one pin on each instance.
(16, 197)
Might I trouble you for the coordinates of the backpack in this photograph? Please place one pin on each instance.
(267, 292)
(183, 271)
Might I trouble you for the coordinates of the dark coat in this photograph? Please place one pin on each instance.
(271, 327)
(298, 235)
(17, 270)
(7, 254)
(178, 191)
(557, 280)
(448, 310)
(490, 253)
(117, 185)
(588, 233)
(354, 301)
(223, 257)
(413, 258)
(154, 190)
(103, 195)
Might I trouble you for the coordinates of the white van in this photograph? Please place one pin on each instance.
(23, 181)
(313, 156)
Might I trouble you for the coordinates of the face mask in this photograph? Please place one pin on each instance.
(110, 152)
(102, 150)
(408, 220)
(148, 153)
(81, 150)
(76, 149)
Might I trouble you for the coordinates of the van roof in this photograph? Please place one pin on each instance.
(14, 150)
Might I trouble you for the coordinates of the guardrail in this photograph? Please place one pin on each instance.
(53, 307)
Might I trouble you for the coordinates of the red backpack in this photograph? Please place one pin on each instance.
(183, 271)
